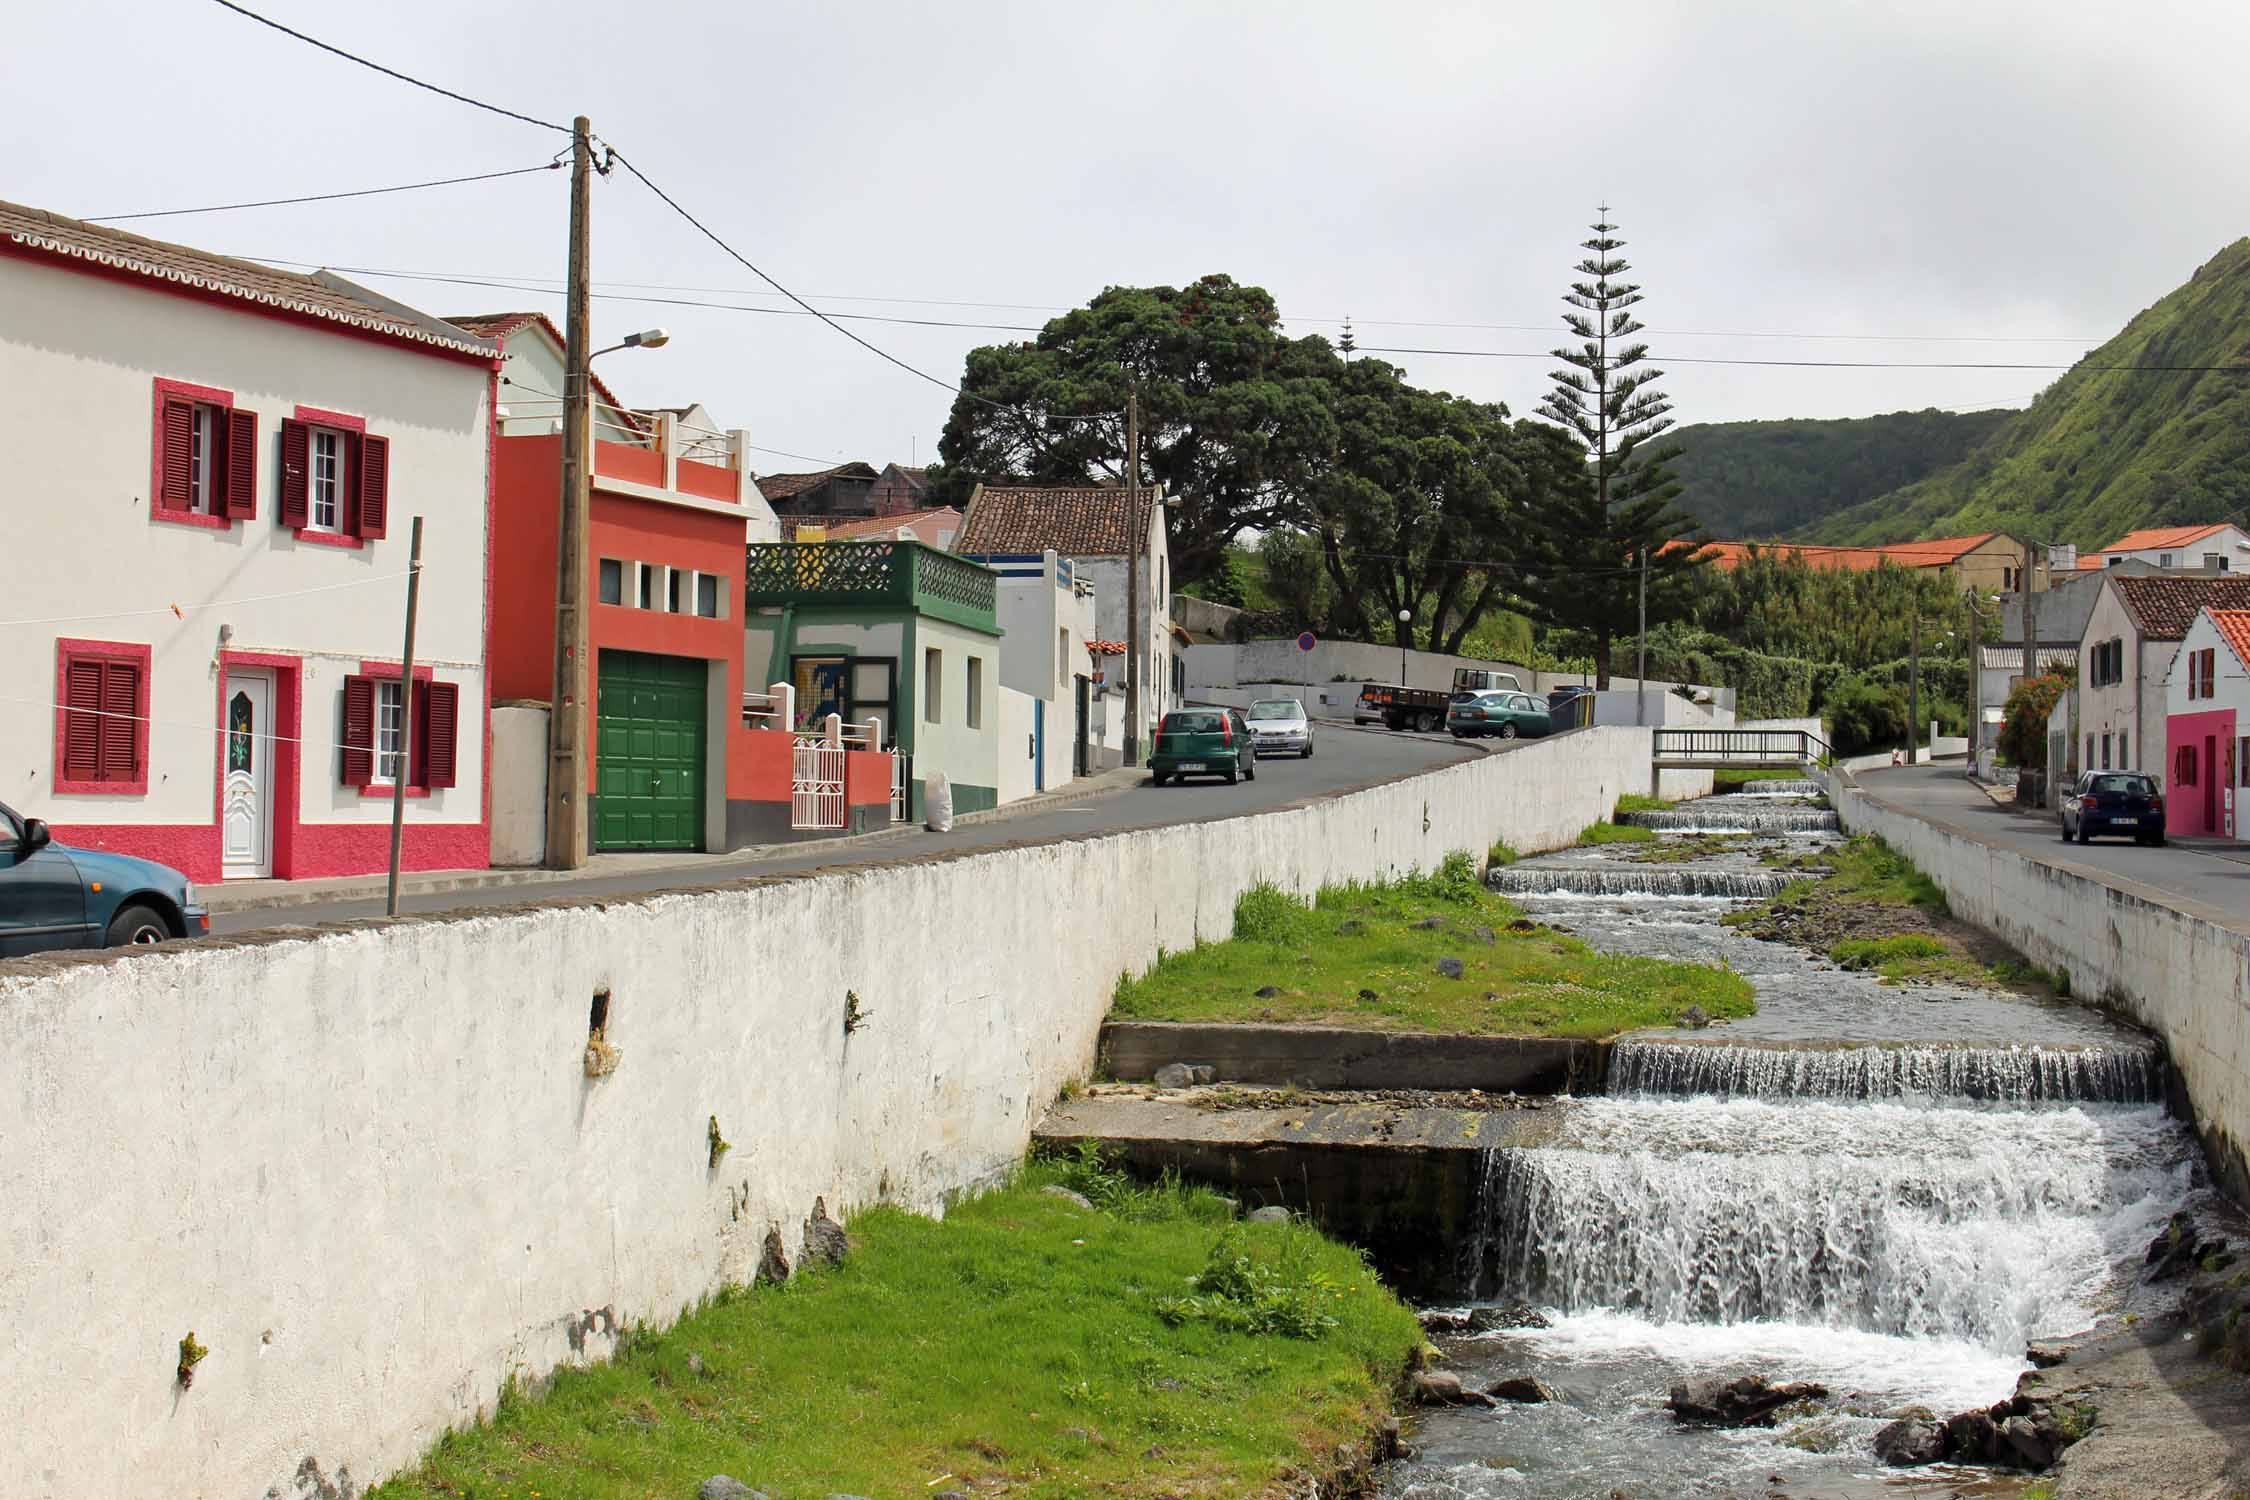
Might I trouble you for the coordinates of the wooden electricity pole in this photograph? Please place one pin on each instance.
(1136, 539)
(566, 715)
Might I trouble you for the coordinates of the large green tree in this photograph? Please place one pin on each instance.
(1607, 528)
(1413, 508)
(1231, 407)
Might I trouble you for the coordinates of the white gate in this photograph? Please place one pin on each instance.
(816, 783)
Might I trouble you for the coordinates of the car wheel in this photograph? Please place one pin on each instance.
(2065, 831)
(2156, 841)
(136, 926)
(1428, 724)
(1232, 777)
(1250, 769)
(1156, 778)
(1308, 753)
(1507, 731)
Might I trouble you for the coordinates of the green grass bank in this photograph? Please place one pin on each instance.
(1382, 957)
(1149, 1346)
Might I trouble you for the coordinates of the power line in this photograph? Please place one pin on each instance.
(404, 187)
(313, 41)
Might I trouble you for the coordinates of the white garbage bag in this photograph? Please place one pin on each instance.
(937, 803)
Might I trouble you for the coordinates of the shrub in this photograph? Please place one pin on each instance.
(1874, 953)
(1257, 1289)
(1266, 912)
(2023, 727)
(1863, 714)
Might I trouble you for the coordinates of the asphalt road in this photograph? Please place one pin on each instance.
(1343, 760)
(2213, 874)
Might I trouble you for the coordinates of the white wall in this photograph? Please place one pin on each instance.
(366, 1168)
(79, 356)
(519, 784)
(2170, 964)
(967, 754)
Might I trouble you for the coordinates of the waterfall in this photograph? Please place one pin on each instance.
(1779, 788)
(1987, 1225)
(1641, 880)
(1709, 817)
(2012, 1074)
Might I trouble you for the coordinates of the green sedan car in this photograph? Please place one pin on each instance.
(1508, 715)
(1203, 742)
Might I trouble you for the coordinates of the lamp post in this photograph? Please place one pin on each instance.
(567, 833)
(1405, 621)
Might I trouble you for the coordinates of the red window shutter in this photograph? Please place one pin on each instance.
(238, 477)
(438, 706)
(374, 486)
(293, 496)
(120, 722)
(82, 726)
(359, 731)
(176, 434)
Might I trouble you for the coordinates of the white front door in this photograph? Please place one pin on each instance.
(246, 803)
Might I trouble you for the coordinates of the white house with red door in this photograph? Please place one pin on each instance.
(2207, 725)
(213, 470)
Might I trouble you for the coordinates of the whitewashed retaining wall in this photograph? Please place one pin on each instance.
(2178, 968)
(366, 1166)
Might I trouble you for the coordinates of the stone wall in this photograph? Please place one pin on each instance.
(368, 1167)
(2180, 969)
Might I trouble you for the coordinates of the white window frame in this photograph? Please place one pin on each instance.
(933, 685)
(644, 586)
(338, 479)
(389, 761)
(718, 596)
(610, 562)
(202, 428)
(972, 697)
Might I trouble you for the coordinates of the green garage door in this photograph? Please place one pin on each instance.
(649, 754)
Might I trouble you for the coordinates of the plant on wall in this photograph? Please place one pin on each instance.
(191, 1355)
(720, 1146)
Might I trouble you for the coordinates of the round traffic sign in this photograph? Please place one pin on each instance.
(1307, 641)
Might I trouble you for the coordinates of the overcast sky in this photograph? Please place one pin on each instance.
(1893, 172)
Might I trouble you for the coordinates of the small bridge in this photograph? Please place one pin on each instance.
(1736, 749)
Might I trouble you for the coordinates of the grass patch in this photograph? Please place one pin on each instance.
(1501, 855)
(1634, 802)
(1902, 957)
(1022, 1344)
(1369, 956)
(1866, 869)
(1615, 833)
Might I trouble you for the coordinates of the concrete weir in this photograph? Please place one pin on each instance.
(1401, 1180)
(1334, 1057)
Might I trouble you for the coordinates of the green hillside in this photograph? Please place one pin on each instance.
(2100, 451)
(1769, 479)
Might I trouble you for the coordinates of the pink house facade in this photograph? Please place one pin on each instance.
(216, 470)
(2207, 727)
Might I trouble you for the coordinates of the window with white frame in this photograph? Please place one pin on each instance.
(390, 731)
(675, 585)
(707, 595)
(645, 595)
(612, 581)
(202, 454)
(325, 488)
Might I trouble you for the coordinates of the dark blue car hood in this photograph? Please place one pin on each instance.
(122, 872)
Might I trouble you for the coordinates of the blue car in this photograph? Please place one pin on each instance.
(54, 896)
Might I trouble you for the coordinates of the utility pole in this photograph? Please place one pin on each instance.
(1972, 655)
(1914, 687)
(406, 718)
(566, 714)
(2030, 618)
(1640, 655)
(1137, 538)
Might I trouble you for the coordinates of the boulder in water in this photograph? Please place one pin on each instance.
(2031, 1442)
(2047, 1356)
(1971, 1437)
(1444, 1388)
(1910, 1441)
(1528, 1390)
(1515, 1315)
(1745, 1401)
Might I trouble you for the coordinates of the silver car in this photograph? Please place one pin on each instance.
(1280, 726)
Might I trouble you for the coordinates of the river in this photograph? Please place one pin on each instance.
(1887, 1189)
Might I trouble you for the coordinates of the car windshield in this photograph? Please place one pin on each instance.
(1191, 723)
(2124, 786)
(1277, 708)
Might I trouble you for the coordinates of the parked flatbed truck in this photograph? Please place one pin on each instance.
(1423, 709)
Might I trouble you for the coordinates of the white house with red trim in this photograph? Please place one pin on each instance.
(213, 470)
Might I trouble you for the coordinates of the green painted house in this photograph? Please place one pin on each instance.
(892, 631)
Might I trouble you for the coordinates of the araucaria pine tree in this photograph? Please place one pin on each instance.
(1604, 534)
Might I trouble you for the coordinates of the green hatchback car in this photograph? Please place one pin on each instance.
(1505, 714)
(1203, 742)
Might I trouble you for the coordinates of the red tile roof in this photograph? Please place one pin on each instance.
(1937, 553)
(2164, 607)
(323, 296)
(934, 519)
(1072, 520)
(2159, 538)
(2234, 626)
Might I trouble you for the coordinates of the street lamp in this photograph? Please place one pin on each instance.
(1405, 619)
(647, 338)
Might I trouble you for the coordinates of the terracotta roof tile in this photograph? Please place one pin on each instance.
(2157, 538)
(778, 487)
(1072, 520)
(323, 296)
(499, 325)
(2164, 607)
(880, 526)
(2234, 625)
